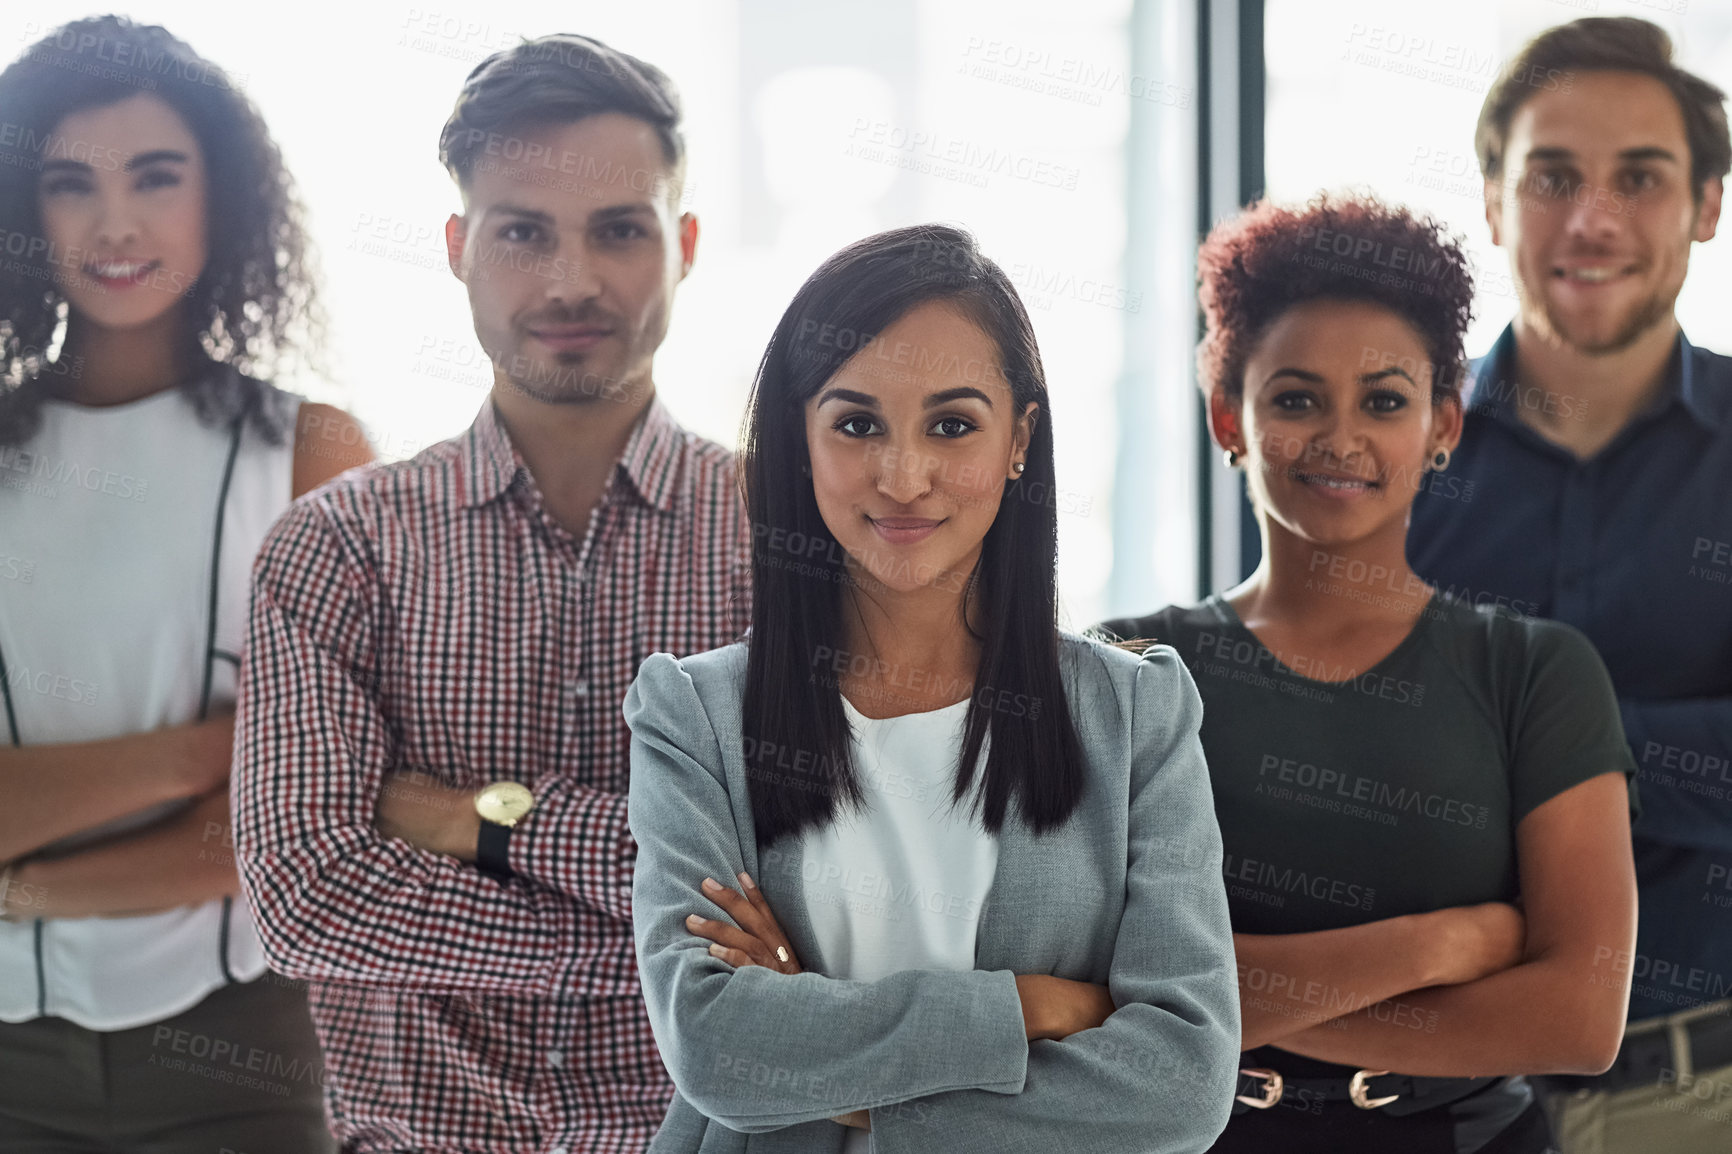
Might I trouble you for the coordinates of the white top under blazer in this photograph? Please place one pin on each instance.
(122, 589)
(899, 884)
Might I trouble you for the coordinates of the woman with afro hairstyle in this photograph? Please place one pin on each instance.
(151, 267)
(1422, 796)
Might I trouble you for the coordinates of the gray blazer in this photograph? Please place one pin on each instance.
(1128, 893)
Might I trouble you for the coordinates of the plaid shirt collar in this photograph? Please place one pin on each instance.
(491, 464)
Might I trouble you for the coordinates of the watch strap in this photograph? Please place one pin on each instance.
(491, 851)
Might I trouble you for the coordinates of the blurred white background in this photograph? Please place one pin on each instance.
(811, 123)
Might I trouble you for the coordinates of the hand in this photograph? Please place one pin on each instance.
(12, 892)
(1473, 942)
(758, 937)
(1056, 1008)
(428, 815)
(200, 753)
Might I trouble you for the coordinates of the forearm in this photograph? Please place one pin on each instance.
(1291, 982)
(52, 791)
(759, 1051)
(348, 905)
(334, 898)
(576, 841)
(1147, 1080)
(1542, 1017)
(178, 863)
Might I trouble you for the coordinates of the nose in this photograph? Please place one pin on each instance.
(1341, 437)
(1593, 214)
(116, 222)
(904, 475)
(574, 276)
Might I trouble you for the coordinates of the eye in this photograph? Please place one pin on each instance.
(157, 178)
(953, 427)
(1385, 401)
(623, 230)
(855, 425)
(1641, 180)
(521, 232)
(65, 183)
(1293, 401)
(1550, 183)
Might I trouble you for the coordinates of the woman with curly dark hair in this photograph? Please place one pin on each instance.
(1423, 799)
(151, 266)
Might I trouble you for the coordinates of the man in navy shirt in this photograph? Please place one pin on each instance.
(1596, 488)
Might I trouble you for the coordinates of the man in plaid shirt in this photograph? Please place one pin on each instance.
(474, 616)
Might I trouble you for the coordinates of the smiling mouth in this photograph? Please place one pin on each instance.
(1334, 484)
(117, 273)
(573, 336)
(1591, 274)
(904, 530)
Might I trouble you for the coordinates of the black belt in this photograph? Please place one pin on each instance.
(1396, 1094)
(1645, 1059)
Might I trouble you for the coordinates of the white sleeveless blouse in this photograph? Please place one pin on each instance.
(108, 530)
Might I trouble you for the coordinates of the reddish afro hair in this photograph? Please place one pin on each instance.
(1261, 263)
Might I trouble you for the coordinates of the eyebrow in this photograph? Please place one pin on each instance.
(1640, 152)
(851, 397)
(508, 209)
(962, 393)
(1391, 371)
(599, 216)
(154, 156)
(615, 211)
(1364, 378)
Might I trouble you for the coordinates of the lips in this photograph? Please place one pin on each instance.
(120, 274)
(1334, 484)
(1591, 275)
(570, 338)
(904, 530)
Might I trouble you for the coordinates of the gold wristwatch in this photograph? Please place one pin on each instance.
(500, 805)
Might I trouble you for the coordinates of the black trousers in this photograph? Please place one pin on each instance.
(1343, 1128)
(240, 1072)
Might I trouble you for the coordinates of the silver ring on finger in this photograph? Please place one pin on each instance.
(782, 954)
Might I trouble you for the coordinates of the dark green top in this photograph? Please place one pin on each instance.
(1344, 800)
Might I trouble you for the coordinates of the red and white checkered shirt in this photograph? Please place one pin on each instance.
(431, 616)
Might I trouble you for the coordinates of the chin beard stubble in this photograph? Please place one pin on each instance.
(1643, 317)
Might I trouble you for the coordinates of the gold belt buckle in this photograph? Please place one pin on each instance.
(1272, 1086)
(1356, 1090)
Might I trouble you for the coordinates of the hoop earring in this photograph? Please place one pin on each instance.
(1230, 458)
(1440, 460)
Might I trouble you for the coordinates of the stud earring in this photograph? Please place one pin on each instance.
(1230, 457)
(1019, 467)
(1440, 460)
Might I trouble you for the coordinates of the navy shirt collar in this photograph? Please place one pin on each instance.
(1681, 385)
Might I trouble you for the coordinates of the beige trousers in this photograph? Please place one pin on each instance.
(1688, 1111)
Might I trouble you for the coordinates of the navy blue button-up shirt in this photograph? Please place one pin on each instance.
(1632, 546)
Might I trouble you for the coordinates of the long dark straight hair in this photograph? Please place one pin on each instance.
(796, 734)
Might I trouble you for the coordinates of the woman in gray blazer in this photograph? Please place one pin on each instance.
(916, 871)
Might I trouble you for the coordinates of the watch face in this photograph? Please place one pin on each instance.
(504, 802)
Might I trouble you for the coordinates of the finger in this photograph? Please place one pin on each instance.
(733, 938)
(770, 930)
(738, 907)
(734, 958)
